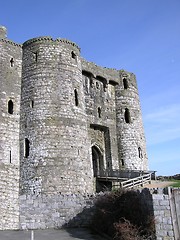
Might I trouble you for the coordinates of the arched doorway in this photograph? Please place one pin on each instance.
(97, 159)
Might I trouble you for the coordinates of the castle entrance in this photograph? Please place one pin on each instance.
(97, 159)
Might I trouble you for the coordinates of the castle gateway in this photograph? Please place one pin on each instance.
(65, 123)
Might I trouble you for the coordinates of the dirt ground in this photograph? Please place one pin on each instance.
(158, 184)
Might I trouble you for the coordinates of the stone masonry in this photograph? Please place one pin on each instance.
(63, 122)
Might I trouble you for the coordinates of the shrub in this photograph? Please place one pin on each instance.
(125, 215)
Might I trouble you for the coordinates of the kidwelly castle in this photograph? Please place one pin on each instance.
(67, 127)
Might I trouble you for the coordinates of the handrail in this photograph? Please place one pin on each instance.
(138, 181)
(129, 174)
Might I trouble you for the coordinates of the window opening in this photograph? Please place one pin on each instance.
(122, 162)
(127, 116)
(35, 56)
(10, 156)
(10, 107)
(125, 83)
(32, 103)
(76, 97)
(99, 112)
(27, 148)
(73, 55)
(140, 152)
(12, 62)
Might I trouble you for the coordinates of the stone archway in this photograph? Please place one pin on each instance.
(97, 159)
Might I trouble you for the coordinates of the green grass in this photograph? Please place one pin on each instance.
(175, 183)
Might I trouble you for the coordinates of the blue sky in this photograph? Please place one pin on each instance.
(140, 36)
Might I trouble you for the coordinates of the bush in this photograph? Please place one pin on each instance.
(124, 215)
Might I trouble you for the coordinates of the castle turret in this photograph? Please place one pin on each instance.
(10, 88)
(130, 132)
(54, 140)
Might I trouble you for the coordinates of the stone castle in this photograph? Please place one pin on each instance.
(65, 123)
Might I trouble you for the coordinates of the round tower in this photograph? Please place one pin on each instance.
(53, 139)
(130, 133)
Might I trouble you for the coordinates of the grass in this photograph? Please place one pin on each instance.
(175, 183)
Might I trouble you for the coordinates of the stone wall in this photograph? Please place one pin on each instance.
(9, 197)
(163, 218)
(55, 211)
(75, 210)
(166, 213)
(10, 91)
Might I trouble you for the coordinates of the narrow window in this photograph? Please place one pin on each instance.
(32, 103)
(76, 97)
(35, 56)
(73, 55)
(140, 152)
(10, 156)
(26, 148)
(125, 83)
(12, 62)
(127, 116)
(122, 162)
(10, 107)
(99, 112)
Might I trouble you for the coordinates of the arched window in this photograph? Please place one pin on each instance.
(76, 97)
(125, 83)
(10, 107)
(127, 116)
(26, 147)
(140, 152)
(99, 112)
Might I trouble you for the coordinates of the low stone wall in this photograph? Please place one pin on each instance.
(73, 210)
(55, 211)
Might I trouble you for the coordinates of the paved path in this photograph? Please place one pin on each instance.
(63, 234)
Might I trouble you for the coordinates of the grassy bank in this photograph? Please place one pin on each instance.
(175, 183)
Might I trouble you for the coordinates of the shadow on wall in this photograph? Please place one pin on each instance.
(120, 215)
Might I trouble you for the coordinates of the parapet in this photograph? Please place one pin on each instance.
(50, 39)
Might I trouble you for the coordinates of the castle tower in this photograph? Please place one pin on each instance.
(53, 140)
(10, 89)
(65, 124)
(130, 132)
